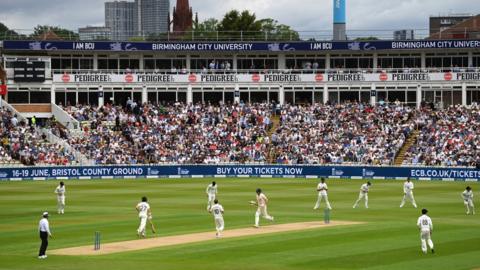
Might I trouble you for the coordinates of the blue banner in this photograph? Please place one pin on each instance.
(238, 46)
(239, 170)
(339, 10)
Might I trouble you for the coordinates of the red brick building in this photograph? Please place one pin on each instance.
(467, 29)
(182, 16)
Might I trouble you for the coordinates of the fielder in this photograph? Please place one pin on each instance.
(322, 189)
(363, 194)
(467, 196)
(425, 225)
(144, 212)
(262, 202)
(211, 194)
(408, 193)
(218, 211)
(60, 191)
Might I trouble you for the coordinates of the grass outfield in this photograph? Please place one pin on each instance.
(389, 239)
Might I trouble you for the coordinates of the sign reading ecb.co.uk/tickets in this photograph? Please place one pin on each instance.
(240, 46)
(465, 174)
(149, 78)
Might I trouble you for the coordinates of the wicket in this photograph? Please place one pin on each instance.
(326, 216)
(97, 241)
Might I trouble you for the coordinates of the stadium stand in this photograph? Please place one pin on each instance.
(350, 133)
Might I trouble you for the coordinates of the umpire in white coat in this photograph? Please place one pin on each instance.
(44, 229)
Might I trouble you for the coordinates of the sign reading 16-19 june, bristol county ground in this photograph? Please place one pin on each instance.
(40, 173)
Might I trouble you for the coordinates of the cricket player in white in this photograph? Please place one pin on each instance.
(144, 212)
(60, 191)
(211, 194)
(262, 202)
(217, 210)
(408, 193)
(322, 189)
(363, 194)
(425, 225)
(467, 196)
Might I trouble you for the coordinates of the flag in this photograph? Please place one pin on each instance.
(3, 89)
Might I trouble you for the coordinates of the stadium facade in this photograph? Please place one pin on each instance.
(443, 72)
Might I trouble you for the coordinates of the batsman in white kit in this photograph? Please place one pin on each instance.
(467, 196)
(322, 189)
(60, 191)
(408, 193)
(425, 225)
(261, 204)
(217, 210)
(363, 194)
(144, 212)
(211, 194)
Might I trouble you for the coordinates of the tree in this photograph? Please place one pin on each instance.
(240, 26)
(206, 30)
(274, 31)
(366, 39)
(44, 30)
(6, 33)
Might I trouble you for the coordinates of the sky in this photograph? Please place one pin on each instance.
(301, 15)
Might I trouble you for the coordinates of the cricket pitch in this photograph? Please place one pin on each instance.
(140, 244)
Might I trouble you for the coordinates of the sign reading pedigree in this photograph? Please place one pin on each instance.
(273, 78)
(116, 78)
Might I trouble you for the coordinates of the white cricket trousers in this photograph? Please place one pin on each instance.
(262, 210)
(320, 197)
(143, 224)
(469, 206)
(408, 196)
(211, 198)
(61, 204)
(426, 238)
(219, 225)
(360, 197)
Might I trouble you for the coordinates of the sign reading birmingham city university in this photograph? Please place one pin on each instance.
(274, 78)
(240, 46)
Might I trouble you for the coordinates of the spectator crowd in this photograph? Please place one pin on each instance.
(350, 133)
(449, 137)
(24, 143)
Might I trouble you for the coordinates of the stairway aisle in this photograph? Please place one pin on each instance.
(411, 140)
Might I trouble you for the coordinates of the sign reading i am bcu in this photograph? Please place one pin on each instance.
(240, 46)
(95, 172)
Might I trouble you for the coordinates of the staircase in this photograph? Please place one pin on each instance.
(275, 119)
(410, 141)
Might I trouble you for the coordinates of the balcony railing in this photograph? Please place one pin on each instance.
(266, 71)
(233, 36)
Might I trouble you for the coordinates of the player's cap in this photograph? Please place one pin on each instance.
(468, 188)
(424, 211)
(45, 214)
(368, 183)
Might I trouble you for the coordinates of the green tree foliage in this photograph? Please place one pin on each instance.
(6, 33)
(243, 25)
(62, 33)
(366, 38)
(274, 31)
(206, 30)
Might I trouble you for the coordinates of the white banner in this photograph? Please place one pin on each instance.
(153, 78)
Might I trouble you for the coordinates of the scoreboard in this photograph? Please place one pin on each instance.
(29, 71)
